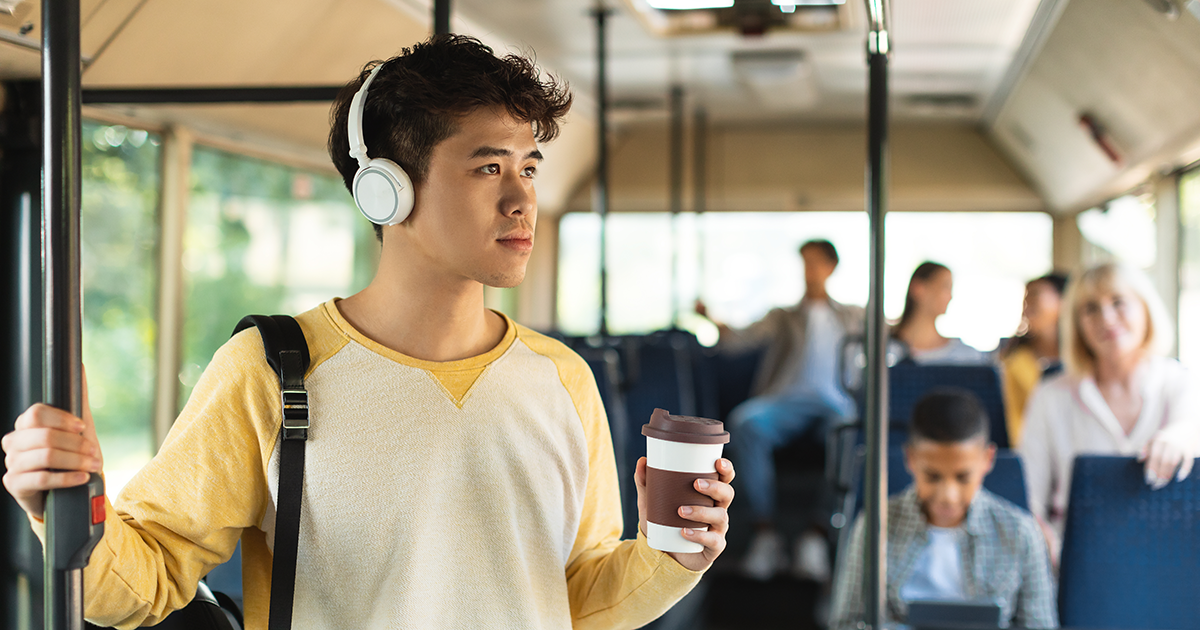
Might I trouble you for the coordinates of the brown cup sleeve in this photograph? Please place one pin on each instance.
(667, 491)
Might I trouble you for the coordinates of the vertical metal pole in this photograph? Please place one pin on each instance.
(68, 523)
(700, 189)
(676, 202)
(441, 17)
(21, 349)
(875, 506)
(601, 14)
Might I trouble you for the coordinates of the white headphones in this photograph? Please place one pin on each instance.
(382, 190)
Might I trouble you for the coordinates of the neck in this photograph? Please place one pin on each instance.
(1120, 370)
(817, 292)
(425, 314)
(1044, 346)
(921, 331)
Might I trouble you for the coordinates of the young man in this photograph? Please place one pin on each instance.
(459, 470)
(948, 539)
(796, 391)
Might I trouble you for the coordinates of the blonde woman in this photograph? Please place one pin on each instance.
(1119, 394)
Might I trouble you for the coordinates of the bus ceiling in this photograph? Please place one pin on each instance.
(997, 104)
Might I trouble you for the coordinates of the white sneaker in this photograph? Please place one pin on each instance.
(811, 561)
(766, 556)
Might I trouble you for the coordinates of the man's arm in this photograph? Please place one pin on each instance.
(736, 340)
(612, 583)
(183, 513)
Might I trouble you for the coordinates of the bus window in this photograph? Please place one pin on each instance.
(744, 263)
(1189, 268)
(119, 232)
(263, 238)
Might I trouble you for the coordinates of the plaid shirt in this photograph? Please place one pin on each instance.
(1003, 560)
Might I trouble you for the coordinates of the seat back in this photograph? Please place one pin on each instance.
(908, 382)
(1007, 479)
(1131, 555)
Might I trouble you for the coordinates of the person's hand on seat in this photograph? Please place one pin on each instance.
(1170, 454)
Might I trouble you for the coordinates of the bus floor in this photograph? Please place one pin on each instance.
(726, 600)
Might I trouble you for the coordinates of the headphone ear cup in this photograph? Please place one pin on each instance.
(383, 192)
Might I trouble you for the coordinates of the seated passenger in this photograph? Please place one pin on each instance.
(1119, 394)
(1034, 351)
(948, 539)
(929, 293)
(795, 392)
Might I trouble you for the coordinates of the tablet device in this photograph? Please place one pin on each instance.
(947, 615)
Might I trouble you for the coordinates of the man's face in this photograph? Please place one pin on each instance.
(947, 476)
(817, 267)
(476, 211)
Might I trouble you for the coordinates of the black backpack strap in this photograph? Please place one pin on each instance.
(287, 352)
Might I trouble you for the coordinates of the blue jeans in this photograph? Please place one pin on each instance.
(760, 425)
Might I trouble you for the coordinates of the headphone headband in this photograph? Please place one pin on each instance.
(358, 147)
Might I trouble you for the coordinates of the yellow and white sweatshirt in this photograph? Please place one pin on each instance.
(479, 493)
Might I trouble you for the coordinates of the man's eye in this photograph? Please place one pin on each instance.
(963, 479)
(530, 171)
(491, 169)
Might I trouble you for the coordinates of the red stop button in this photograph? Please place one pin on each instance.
(97, 510)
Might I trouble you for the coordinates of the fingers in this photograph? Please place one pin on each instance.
(716, 518)
(1185, 468)
(22, 486)
(639, 474)
(49, 449)
(1162, 461)
(719, 491)
(41, 416)
(713, 541)
(725, 470)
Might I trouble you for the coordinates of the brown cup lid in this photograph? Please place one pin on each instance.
(688, 429)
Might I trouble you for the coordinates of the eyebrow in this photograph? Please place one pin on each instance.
(498, 152)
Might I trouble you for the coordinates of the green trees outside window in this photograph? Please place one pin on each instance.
(119, 240)
(263, 238)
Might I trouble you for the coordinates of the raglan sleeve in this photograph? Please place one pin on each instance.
(612, 583)
(184, 512)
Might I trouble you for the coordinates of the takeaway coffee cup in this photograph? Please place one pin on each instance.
(679, 450)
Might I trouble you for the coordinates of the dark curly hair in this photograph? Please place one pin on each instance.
(417, 98)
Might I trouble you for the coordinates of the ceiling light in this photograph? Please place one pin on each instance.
(683, 5)
(805, 3)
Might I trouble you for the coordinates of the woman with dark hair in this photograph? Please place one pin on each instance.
(1033, 353)
(929, 292)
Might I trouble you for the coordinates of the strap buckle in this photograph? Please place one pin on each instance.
(295, 414)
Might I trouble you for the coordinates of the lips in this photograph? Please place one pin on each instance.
(521, 240)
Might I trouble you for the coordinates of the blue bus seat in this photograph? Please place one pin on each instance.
(1131, 555)
(908, 382)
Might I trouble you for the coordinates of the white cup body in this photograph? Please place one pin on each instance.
(678, 457)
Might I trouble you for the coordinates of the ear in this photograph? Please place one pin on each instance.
(991, 457)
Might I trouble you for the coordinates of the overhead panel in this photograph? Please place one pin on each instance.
(1109, 102)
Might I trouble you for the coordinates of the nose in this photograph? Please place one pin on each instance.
(518, 197)
(948, 493)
